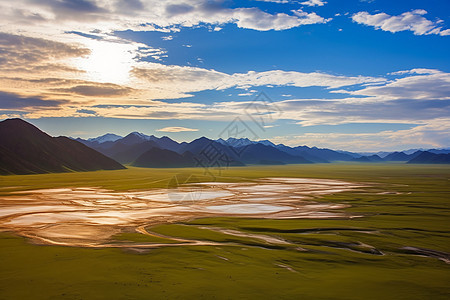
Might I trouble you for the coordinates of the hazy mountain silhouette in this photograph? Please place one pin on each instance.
(370, 158)
(109, 137)
(209, 152)
(233, 151)
(262, 154)
(126, 154)
(303, 152)
(133, 138)
(231, 148)
(233, 142)
(430, 158)
(397, 156)
(130, 147)
(24, 149)
(401, 156)
(313, 154)
(163, 158)
(162, 142)
(317, 154)
(439, 151)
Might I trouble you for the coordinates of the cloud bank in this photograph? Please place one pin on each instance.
(408, 21)
(314, 3)
(138, 15)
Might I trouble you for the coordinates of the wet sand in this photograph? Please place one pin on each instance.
(90, 216)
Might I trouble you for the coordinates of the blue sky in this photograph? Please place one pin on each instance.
(356, 75)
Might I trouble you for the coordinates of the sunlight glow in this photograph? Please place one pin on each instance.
(108, 62)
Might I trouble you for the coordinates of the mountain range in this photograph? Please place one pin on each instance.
(426, 157)
(134, 149)
(24, 149)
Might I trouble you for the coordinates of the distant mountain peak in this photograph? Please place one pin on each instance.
(18, 122)
(203, 138)
(138, 134)
(266, 142)
(144, 136)
(109, 137)
(236, 142)
(19, 127)
(231, 139)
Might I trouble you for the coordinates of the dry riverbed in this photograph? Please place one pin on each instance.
(89, 217)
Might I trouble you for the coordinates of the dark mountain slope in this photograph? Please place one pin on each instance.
(370, 158)
(10, 163)
(301, 152)
(401, 156)
(129, 148)
(202, 144)
(430, 158)
(128, 153)
(397, 156)
(328, 154)
(133, 138)
(26, 150)
(316, 154)
(261, 154)
(163, 158)
(439, 151)
(166, 143)
(209, 152)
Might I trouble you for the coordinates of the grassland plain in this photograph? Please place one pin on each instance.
(396, 250)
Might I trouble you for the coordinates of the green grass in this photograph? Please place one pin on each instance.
(137, 237)
(145, 178)
(337, 265)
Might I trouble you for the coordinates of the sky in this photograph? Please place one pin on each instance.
(357, 75)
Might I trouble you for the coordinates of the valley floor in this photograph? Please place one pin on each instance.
(331, 231)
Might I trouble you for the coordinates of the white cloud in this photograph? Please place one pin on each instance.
(66, 51)
(31, 55)
(416, 71)
(93, 74)
(54, 17)
(412, 21)
(310, 112)
(183, 80)
(445, 32)
(436, 134)
(417, 95)
(314, 3)
(297, 79)
(424, 84)
(176, 129)
(253, 18)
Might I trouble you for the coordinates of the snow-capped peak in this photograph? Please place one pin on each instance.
(109, 137)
